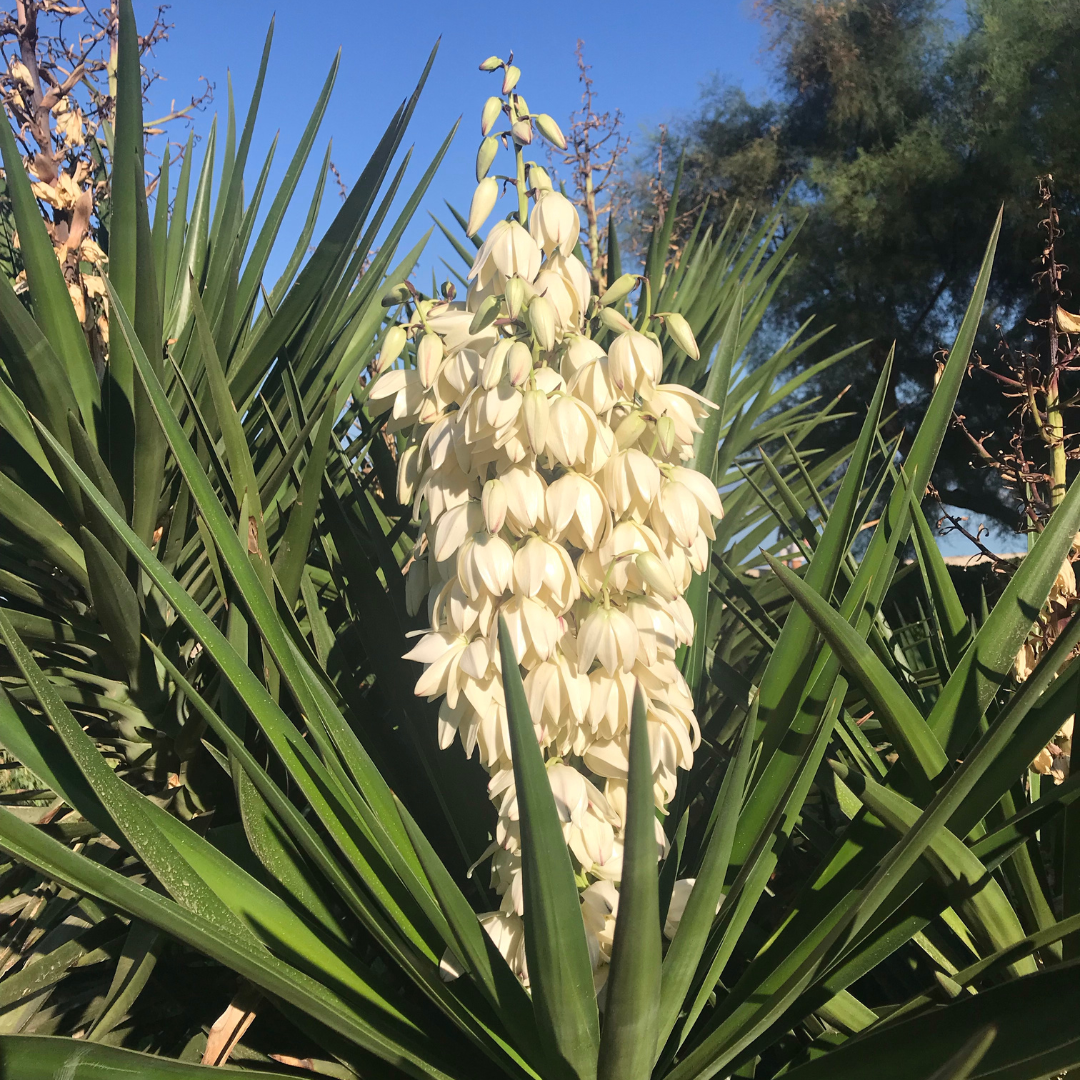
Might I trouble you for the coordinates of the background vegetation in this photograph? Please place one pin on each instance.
(898, 128)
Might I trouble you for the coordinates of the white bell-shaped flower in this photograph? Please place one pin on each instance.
(655, 626)
(577, 511)
(534, 629)
(592, 384)
(685, 407)
(610, 636)
(558, 696)
(544, 570)
(554, 223)
(508, 933)
(631, 480)
(399, 390)
(575, 436)
(636, 363)
(508, 250)
(611, 698)
(452, 322)
(485, 564)
(599, 908)
(525, 498)
(441, 656)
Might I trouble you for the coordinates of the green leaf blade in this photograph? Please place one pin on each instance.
(559, 968)
(628, 1043)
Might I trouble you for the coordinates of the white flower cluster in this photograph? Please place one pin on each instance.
(548, 476)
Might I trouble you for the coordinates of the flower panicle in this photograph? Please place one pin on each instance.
(553, 484)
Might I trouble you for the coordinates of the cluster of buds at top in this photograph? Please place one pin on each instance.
(511, 108)
(551, 481)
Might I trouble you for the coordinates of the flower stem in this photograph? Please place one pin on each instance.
(523, 198)
(644, 322)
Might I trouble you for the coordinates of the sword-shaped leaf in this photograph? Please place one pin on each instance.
(560, 972)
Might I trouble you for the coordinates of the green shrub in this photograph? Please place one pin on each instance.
(205, 615)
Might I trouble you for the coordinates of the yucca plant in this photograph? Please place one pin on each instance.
(240, 768)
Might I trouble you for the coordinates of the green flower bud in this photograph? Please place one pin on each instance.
(630, 430)
(619, 289)
(492, 108)
(514, 292)
(522, 130)
(486, 314)
(483, 202)
(408, 473)
(485, 156)
(550, 130)
(656, 575)
(681, 334)
(614, 321)
(665, 430)
(541, 318)
(539, 178)
(519, 362)
(510, 78)
(430, 354)
(392, 345)
(493, 504)
(492, 63)
(495, 364)
(536, 410)
(399, 294)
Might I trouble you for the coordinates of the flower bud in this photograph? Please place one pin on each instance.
(630, 430)
(522, 131)
(492, 63)
(515, 296)
(408, 473)
(492, 108)
(493, 503)
(536, 411)
(519, 109)
(541, 318)
(392, 345)
(485, 156)
(656, 575)
(550, 130)
(519, 362)
(619, 289)
(539, 178)
(399, 294)
(681, 334)
(511, 75)
(483, 202)
(495, 364)
(615, 322)
(429, 358)
(449, 291)
(665, 430)
(486, 314)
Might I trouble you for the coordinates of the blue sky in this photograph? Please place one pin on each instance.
(649, 60)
